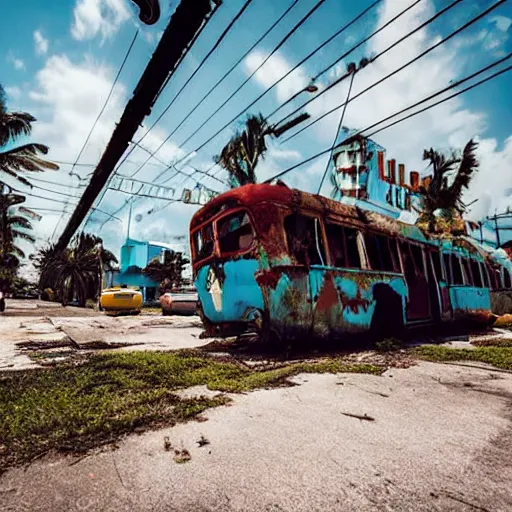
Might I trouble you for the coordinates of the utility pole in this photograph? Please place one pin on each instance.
(183, 26)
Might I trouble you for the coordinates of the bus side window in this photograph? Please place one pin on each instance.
(378, 251)
(436, 260)
(468, 279)
(485, 277)
(417, 254)
(353, 255)
(305, 241)
(336, 241)
(343, 246)
(448, 268)
(235, 233)
(457, 276)
(507, 278)
(477, 276)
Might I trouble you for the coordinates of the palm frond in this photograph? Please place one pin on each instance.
(14, 125)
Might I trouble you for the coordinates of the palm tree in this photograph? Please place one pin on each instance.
(443, 193)
(169, 273)
(20, 158)
(13, 226)
(243, 151)
(75, 271)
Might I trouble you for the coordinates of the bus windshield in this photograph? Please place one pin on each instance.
(234, 232)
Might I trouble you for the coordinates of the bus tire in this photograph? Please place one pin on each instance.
(2, 305)
(387, 320)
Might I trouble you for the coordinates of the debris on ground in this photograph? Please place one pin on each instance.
(182, 456)
(167, 444)
(359, 416)
(202, 441)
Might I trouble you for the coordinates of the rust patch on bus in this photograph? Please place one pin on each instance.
(328, 295)
(355, 303)
(268, 278)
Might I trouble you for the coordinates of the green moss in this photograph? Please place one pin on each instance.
(78, 407)
(499, 356)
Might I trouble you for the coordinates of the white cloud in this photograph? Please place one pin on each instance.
(502, 22)
(449, 125)
(13, 92)
(41, 43)
(98, 17)
(273, 69)
(17, 63)
(68, 96)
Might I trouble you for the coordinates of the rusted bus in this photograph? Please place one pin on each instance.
(296, 264)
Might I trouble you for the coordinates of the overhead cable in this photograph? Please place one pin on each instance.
(407, 64)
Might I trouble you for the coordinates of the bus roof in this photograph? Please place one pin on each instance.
(249, 195)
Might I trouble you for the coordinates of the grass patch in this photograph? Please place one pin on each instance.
(498, 356)
(75, 408)
(388, 345)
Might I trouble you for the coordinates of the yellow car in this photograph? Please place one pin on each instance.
(121, 300)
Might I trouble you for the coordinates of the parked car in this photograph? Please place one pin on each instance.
(121, 300)
(179, 302)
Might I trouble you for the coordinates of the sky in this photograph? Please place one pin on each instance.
(60, 60)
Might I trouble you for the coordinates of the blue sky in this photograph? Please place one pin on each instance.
(60, 60)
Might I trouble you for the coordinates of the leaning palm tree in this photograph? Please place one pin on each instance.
(21, 158)
(442, 195)
(243, 151)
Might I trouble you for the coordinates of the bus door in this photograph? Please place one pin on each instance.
(415, 273)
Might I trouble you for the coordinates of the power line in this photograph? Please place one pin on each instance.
(327, 41)
(137, 144)
(266, 91)
(383, 52)
(340, 123)
(462, 91)
(179, 171)
(476, 84)
(378, 82)
(265, 60)
(49, 182)
(212, 89)
(201, 64)
(451, 86)
(351, 50)
(114, 83)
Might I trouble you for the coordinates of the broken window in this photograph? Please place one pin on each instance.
(203, 242)
(507, 278)
(436, 260)
(379, 252)
(417, 254)
(305, 241)
(457, 276)
(468, 278)
(235, 233)
(485, 276)
(343, 246)
(495, 276)
(477, 276)
(447, 268)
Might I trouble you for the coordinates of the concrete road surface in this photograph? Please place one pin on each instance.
(50, 329)
(440, 439)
